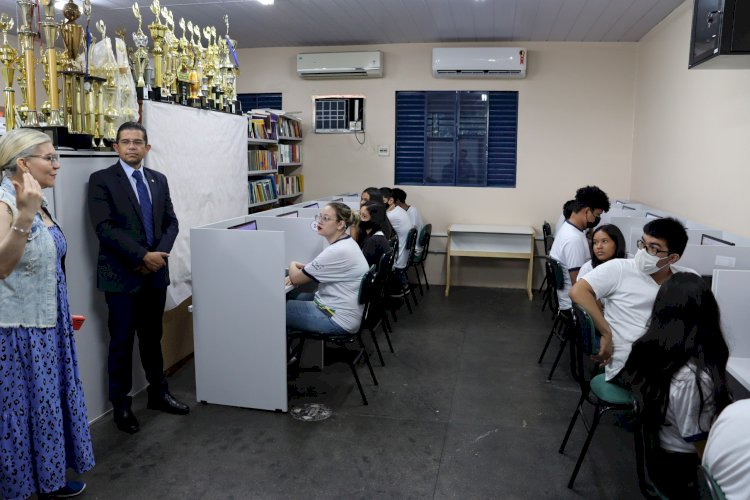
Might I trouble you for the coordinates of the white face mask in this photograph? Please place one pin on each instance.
(647, 263)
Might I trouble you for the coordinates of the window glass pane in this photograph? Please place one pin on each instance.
(440, 154)
(472, 138)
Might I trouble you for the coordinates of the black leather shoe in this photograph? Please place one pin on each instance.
(167, 403)
(126, 421)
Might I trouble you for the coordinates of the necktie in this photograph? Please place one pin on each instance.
(146, 208)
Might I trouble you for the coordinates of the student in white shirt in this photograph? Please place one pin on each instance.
(727, 453)
(399, 196)
(571, 248)
(338, 270)
(401, 225)
(629, 287)
(677, 372)
(607, 243)
(595, 196)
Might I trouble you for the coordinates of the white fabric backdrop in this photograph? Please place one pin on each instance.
(204, 156)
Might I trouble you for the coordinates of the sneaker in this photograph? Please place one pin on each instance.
(71, 489)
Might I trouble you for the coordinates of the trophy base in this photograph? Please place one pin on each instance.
(194, 102)
(237, 105)
(61, 137)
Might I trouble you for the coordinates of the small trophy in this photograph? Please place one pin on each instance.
(8, 58)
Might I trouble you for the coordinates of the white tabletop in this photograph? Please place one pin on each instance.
(490, 228)
(739, 368)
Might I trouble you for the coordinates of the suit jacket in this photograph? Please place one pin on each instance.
(118, 222)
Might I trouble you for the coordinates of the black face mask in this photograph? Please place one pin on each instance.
(592, 225)
(365, 225)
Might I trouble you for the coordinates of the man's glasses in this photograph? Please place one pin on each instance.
(323, 218)
(651, 250)
(128, 142)
(49, 158)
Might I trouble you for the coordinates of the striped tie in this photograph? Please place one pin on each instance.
(146, 209)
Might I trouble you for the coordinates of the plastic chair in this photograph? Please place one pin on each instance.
(595, 390)
(563, 324)
(713, 488)
(547, 241)
(377, 316)
(418, 260)
(366, 293)
(406, 289)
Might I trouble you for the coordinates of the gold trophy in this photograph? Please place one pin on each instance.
(211, 66)
(141, 53)
(172, 54)
(182, 71)
(26, 40)
(196, 73)
(49, 31)
(72, 35)
(158, 31)
(8, 58)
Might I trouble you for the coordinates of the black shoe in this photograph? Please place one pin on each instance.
(126, 421)
(167, 403)
(70, 490)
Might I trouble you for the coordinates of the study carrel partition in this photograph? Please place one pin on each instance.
(239, 308)
(730, 288)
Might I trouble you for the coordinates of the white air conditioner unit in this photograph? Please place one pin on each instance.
(479, 62)
(340, 65)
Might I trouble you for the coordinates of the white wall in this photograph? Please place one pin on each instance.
(690, 148)
(575, 128)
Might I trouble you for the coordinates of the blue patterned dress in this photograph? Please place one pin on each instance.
(43, 420)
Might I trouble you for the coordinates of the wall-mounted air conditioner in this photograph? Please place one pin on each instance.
(479, 62)
(340, 65)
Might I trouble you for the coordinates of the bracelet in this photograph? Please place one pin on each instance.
(22, 231)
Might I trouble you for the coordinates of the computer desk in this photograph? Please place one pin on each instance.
(490, 241)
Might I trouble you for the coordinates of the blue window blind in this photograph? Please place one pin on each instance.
(260, 101)
(464, 138)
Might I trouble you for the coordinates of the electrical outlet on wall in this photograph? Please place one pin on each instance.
(384, 151)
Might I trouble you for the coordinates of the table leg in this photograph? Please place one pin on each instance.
(529, 278)
(448, 267)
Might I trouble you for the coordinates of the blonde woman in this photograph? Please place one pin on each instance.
(43, 419)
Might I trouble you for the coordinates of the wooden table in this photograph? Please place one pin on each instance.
(490, 241)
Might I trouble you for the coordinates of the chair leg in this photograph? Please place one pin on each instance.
(544, 282)
(386, 323)
(359, 384)
(572, 424)
(413, 293)
(393, 315)
(557, 358)
(377, 347)
(419, 280)
(589, 437)
(388, 338)
(408, 303)
(421, 264)
(367, 361)
(549, 339)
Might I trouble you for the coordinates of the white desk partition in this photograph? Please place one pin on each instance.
(301, 242)
(705, 258)
(730, 288)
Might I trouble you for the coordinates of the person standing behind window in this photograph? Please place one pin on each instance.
(43, 426)
(131, 212)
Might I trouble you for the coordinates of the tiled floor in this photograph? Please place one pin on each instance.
(462, 411)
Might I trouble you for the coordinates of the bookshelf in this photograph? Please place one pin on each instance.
(274, 155)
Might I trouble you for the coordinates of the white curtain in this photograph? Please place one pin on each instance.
(204, 156)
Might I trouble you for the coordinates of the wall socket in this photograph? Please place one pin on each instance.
(384, 151)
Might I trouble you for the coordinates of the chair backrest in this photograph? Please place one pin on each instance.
(411, 243)
(585, 343)
(551, 282)
(424, 243)
(710, 484)
(547, 232)
(558, 276)
(393, 242)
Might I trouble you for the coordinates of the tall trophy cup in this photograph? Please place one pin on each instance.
(141, 54)
(49, 31)
(158, 30)
(26, 37)
(8, 59)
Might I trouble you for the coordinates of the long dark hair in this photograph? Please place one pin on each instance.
(378, 222)
(684, 327)
(615, 235)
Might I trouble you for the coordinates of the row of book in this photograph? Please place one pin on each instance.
(261, 128)
(289, 128)
(262, 190)
(261, 159)
(289, 153)
(289, 184)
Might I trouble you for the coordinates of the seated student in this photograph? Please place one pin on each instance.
(594, 195)
(629, 287)
(338, 270)
(571, 248)
(677, 371)
(374, 231)
(607, 243)
(401, 225)
(399, 195)
(370, 194)
(727, 453)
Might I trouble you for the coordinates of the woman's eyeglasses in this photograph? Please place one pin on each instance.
(49, 158)
(323, 218)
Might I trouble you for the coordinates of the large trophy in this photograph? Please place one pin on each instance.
(8, 59)
(49, 31)
(26, 37)
(158, 31)
(140, 57)
(182, 73)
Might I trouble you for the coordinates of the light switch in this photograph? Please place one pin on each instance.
(384, 151)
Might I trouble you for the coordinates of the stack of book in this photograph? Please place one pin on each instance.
(261, 159)
(262, 125)
(289, 153)
(263, 190)
(289, 128)
(289, 184)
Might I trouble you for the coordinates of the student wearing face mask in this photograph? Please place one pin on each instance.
(597, 199)
(374, 231)
(630, 287)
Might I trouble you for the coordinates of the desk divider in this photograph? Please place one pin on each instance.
(730, 288)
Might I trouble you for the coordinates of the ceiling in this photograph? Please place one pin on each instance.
(354, 22)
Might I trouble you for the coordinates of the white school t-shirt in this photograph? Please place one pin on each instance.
(560, 223)
(727, 453)
(572, 250)
(685, 423)
(416, 221)
(401, 224)
(585, 269)
(630, 297)
(339, 269)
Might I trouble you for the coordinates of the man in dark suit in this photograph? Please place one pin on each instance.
(132, 214)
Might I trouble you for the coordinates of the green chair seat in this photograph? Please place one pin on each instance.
(610, 393)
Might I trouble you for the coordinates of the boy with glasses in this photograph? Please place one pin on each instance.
(628, 288)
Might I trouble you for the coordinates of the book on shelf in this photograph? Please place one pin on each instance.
(262, 125)
(289, 184)
(289, 153)
(289, 128)
(262, 190)
(261, 159)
